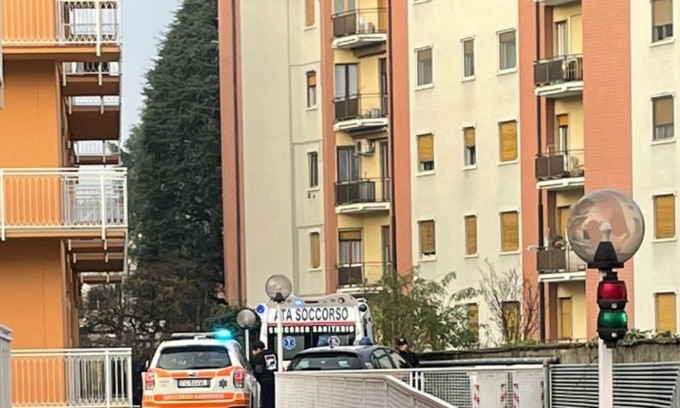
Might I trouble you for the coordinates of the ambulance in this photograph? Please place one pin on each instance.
(338, 319)
(199, 370)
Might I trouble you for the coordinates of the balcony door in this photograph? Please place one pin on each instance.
(562, 142)
(341, 6)
(563, 213)
(385, 171)
(346, 91)
(350, 266)
(348, 164)
(561, 38)
(382, 66)
(386, 245)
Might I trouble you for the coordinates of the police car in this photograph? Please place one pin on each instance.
(199, 370)
(363, 357)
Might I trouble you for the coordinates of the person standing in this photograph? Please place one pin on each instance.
(406, 353)
(265, 365)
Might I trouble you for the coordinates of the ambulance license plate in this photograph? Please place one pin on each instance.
(193, 383)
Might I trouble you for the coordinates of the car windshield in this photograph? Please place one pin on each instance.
(193, 358)
(325, 361)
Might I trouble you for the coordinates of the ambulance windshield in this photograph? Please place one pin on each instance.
(193, 358)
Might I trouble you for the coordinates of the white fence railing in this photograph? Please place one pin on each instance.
(5, 376)
(84, 378)
(62, 199)
(463, 387)
(61, 22)
(96, 148)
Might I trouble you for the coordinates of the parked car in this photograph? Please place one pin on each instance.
(348, 358)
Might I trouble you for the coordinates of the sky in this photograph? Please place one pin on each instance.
(144, 24)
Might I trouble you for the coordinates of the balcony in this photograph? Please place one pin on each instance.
(362, 112)
(368, 195)
(90, 78)
(559, 264)
(359, 28)
(561, 170)
(63, 28)
(554, 3)
(97, 258)
(96, 153)
(559, 77)
(360, 276)
(67, 203)
(93, 117)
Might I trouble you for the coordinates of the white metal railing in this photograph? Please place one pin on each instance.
(461, 387)
(101, 102)
(96, 148)
(349, 390)
(91, 68)
(62, 199)
(84, 378)
(62, 22)
(5, 376)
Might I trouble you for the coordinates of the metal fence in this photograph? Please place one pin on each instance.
(5, 376)
(84, 378)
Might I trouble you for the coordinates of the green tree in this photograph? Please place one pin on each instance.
(427, 312)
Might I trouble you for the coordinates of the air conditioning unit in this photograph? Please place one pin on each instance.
(365, 147)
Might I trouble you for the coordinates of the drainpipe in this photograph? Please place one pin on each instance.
(539, 124)
(237, 159)
(390, 98)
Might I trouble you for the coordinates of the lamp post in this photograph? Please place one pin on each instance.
(278, 288)
(246, 319)
(605, 229)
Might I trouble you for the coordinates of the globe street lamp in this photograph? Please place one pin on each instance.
(246, 319)
(279, 288)
(605, 229)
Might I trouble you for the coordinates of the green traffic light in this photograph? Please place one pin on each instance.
(613, 319)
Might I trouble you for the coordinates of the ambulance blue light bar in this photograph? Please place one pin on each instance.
(220, 334)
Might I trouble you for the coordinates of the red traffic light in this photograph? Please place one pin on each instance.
(612, 294)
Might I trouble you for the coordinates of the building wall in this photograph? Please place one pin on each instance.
(33, 293)
(451, 192)
(655, 164)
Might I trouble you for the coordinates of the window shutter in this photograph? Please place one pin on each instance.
(311, 79)
(508, 143)
(666, 312)
(664, 216)
(473, 317)
(427, 237)
(309, 13)
(566, 323)
(468, 47)
(562, 120)
(469, 137)
(352, 235)
(510, 231)
(426, 148)
(662, 12)
(315, 241)
(425, 55)
(663, 111)
(471, 235)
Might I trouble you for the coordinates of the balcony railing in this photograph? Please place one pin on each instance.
(366, 106)
(357, 22)
(93, 378)
(35, 200)
(562, 164)
(368, 190)
(565, 68)
(361, 274)
(61, 22)
(91, 68)
(556, 260)
(97, 148)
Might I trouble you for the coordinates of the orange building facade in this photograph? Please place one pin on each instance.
(63, 209)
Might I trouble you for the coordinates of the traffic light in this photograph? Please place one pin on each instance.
(612, 321)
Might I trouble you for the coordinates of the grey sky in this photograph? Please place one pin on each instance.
(144, 23)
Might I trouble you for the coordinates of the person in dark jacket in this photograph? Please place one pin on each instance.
(265, 365)
(406, 353)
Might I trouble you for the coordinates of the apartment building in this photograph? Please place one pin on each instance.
(63, 209)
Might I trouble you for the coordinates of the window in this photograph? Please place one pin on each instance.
(561, 38)
(348, 164)
(562, 133)
(666, 312)
(315, 249)
(341, 6)
(399, 360)
(311, 89)
(566, 318)
(426, 152)
(194, 357)
(508, 50)
(470, 146)
(471, 235)
(349, 250)
(424, 57)
(511, 320)
(510, 231)
(313, 160)
(508, 141)
(473, 318)
(310, 15)
(468, 58)
(663, 117)
(664, 216)
(428, 243)
(662, 19)
(346, 92)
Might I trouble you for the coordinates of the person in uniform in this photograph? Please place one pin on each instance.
(406, 353)
(265, 364)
